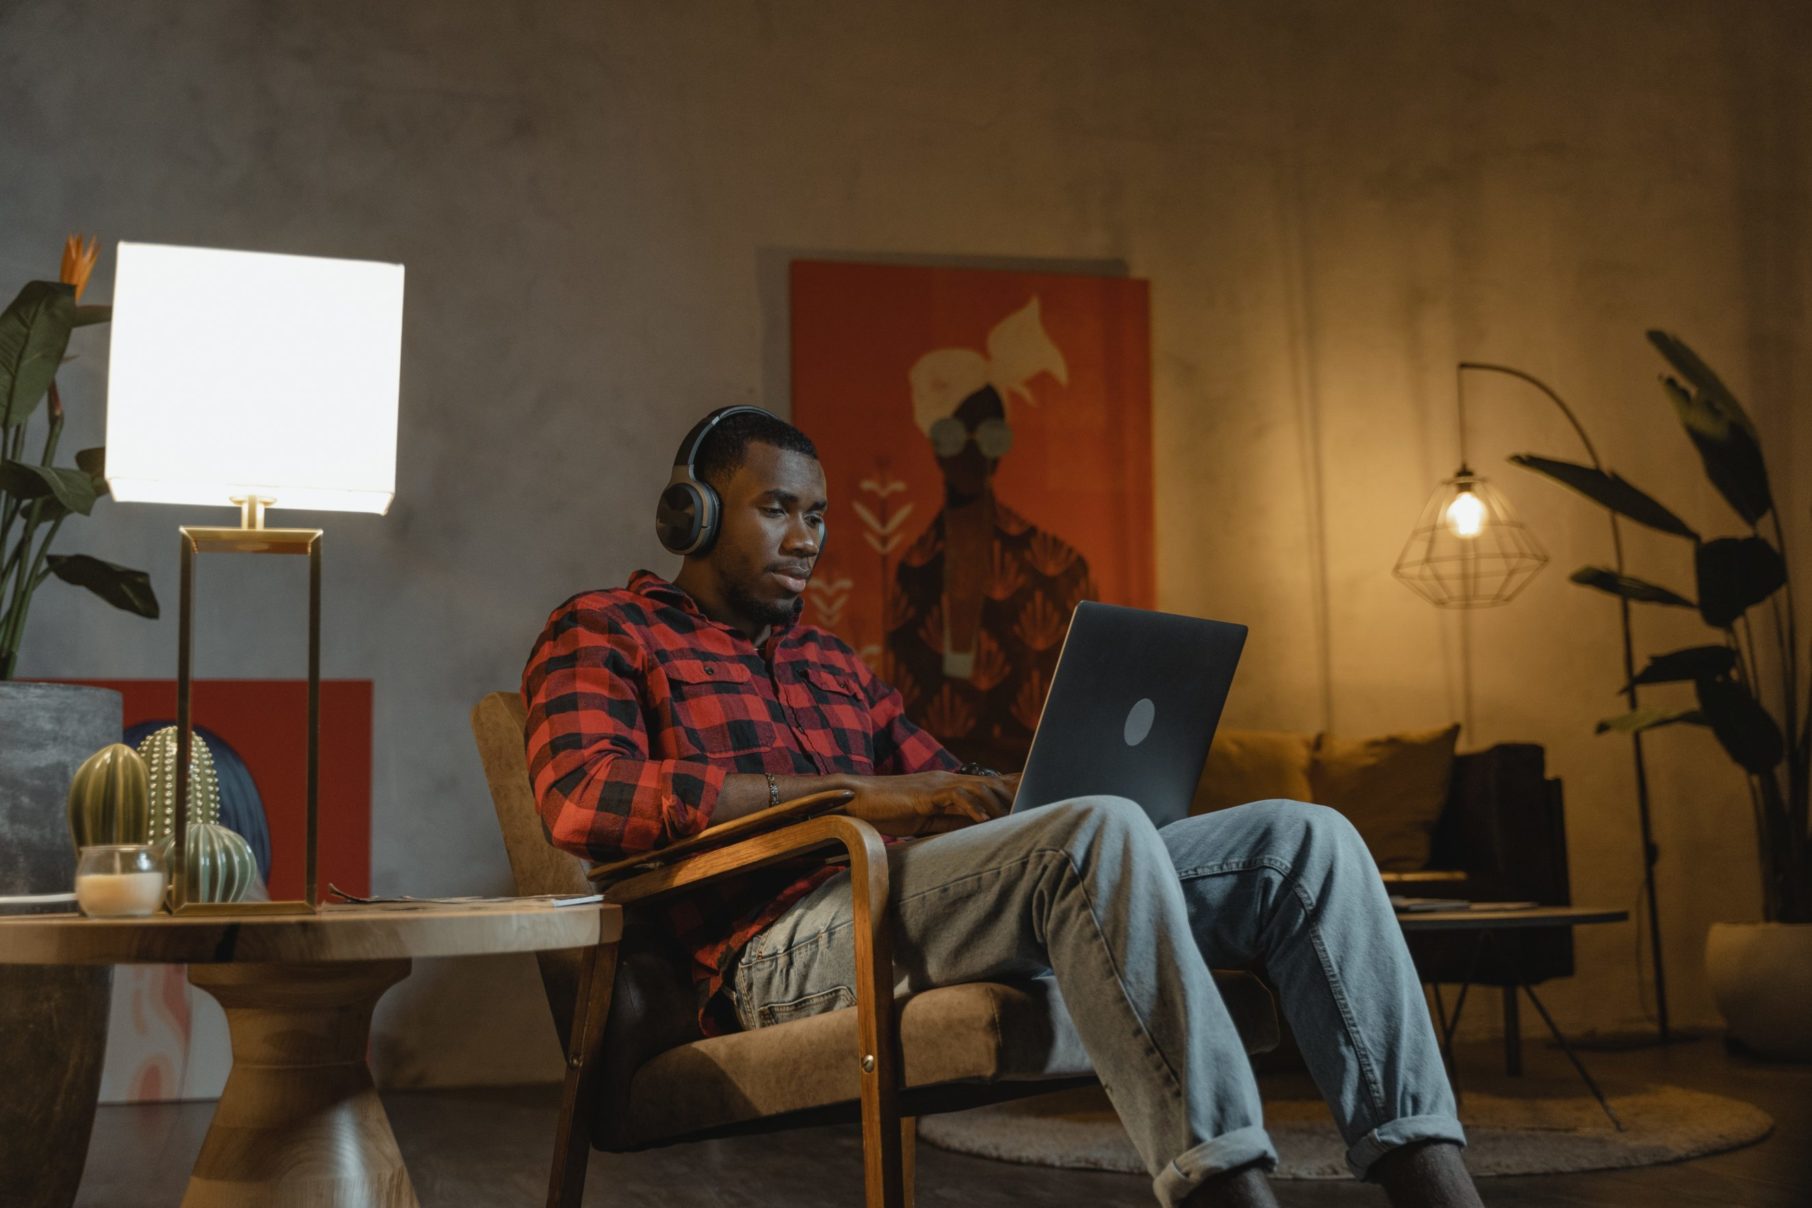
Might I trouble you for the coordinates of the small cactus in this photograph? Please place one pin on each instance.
(218, 864)
(159, 752)
(109, 799)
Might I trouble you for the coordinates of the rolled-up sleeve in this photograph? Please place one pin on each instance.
(601, 789)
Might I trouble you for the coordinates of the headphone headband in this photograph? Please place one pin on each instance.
(687, 456)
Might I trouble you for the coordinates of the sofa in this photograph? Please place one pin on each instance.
(1486, 825)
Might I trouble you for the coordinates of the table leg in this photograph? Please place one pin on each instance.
(299, 1122)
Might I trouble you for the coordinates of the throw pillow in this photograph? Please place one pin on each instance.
(1253, 765)
(1392, 788)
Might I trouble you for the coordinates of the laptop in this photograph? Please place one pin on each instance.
(1131, 709)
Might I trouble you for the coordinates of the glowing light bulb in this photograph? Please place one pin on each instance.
(1465, 516)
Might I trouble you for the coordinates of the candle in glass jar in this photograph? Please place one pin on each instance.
(117, 894)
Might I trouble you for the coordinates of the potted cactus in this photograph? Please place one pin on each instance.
(46, 731)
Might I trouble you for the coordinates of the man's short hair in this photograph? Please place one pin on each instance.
(726, 448)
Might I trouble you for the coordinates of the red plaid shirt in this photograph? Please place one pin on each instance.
(639, 705)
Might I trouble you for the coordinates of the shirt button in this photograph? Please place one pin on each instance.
(710, 671)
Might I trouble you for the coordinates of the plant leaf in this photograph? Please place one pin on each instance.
(73, 489)
(87, 316)
(120, 586)
(1719, 427)
(34, 331)
(1650, 717)
(1607, 490)
(1730, 451)
(1609, 581)
(93, 462)
(1735, 573)
(1693, 663)
(1746, 730)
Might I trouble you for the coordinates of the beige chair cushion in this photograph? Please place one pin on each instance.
(1254, 765)
(979, 1033)
(1392, 788)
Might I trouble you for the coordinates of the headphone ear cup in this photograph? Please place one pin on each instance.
(710, 512)
(679, 518)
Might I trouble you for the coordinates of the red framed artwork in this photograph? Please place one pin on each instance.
(987, 440)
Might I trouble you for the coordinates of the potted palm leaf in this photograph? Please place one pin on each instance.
(46, 730)
(1747, 684)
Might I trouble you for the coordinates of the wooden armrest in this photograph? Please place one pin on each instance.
(867, 858)
(724, 833)
(878, 1051)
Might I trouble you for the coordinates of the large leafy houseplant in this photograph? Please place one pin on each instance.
(36, 494)
(1737, 577)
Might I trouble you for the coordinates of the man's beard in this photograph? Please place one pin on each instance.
(768, 612)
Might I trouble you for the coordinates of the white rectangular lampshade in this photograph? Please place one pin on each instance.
(250, 374)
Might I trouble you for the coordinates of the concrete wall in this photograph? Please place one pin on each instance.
(1334, 202)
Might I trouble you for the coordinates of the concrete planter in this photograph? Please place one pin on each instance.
(53, 1021)
(1761, 977)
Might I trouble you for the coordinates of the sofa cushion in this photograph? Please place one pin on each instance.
(1254, 765)
(1392, 788)
(981, 1032)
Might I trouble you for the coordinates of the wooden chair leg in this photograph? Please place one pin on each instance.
(909, 1145)
(572, 1143)
(878, 1056)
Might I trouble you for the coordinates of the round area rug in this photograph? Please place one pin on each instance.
(1506, 1133)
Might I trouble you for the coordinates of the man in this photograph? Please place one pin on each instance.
(659, 709)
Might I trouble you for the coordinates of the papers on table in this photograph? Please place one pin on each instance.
(1408, 905)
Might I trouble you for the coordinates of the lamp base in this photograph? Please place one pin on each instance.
(240, 909)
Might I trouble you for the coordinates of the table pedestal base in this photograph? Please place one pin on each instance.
(299, 1122)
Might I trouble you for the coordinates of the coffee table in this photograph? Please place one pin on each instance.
(1485, 924)
(299, 1123)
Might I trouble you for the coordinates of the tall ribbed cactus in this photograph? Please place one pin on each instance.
(218, 863)
(109, 798)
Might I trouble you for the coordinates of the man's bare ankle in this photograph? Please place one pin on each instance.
(1426, 1174)
(1244, 1187)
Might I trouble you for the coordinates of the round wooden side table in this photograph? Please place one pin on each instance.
(300, 1122)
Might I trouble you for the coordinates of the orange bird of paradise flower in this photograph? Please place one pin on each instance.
(78, 262)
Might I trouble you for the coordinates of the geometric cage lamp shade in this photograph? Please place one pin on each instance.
(1468, 549)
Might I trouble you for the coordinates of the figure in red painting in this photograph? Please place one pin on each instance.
(983, 596)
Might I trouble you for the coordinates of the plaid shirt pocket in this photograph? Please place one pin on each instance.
(840, 727)
(714, 709)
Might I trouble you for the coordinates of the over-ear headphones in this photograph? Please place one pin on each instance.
(687, 517)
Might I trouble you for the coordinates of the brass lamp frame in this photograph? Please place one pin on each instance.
(251, 537)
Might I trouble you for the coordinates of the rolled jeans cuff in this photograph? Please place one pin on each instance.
(1229, 1151)
(1402, 1131)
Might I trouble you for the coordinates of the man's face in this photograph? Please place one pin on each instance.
(770, 534)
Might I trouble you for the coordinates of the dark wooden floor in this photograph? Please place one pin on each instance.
(488, 1149)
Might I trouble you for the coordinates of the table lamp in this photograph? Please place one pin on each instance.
(252, 380)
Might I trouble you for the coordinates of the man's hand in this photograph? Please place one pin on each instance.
(930, 803)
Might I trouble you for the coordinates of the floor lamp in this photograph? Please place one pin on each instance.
(251, 380)
(1469, 550)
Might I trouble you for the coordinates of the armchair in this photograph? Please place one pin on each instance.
(638, 1072)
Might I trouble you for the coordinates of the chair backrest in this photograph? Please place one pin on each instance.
(537, 865)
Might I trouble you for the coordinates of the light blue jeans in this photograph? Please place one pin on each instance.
(1128, 918)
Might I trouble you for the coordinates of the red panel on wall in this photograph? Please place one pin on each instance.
(266, 722)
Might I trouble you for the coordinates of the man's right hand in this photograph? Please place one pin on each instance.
(929, 803)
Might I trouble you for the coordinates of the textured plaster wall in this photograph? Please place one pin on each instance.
(1333, 203)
